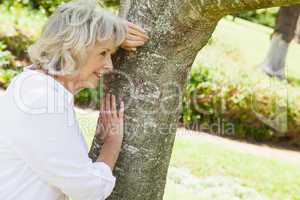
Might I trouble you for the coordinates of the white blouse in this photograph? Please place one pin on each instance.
(43, 154)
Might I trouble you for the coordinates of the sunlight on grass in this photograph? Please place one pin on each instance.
(271, 177)
(243, 46)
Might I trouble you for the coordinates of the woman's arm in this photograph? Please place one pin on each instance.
(110, 130)
(51, 145)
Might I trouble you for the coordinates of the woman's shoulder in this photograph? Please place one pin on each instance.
(35, 91)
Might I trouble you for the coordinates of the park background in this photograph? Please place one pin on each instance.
(243, 156)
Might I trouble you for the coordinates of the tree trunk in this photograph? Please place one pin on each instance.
(286, 22)
(152, 81)
(284, 33)
(274, 62)
(297, 36)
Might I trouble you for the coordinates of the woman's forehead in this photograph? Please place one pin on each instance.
(108, 44)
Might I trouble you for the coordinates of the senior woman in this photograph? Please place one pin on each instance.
(43, 154)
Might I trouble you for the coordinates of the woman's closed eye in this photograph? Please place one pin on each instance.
(103, 53)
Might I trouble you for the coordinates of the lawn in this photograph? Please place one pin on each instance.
(241, 46)
(272, 178)
(201, 170)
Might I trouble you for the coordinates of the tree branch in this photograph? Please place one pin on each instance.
(220, 8)
(124, 8)
(226, 7)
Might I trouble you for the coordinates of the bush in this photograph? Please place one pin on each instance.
(88, 98)
(5, 56)
(6, 75)
(265, 17)
(241, 109)
(48, 6)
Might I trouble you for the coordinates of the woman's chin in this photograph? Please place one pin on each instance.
(93, 85)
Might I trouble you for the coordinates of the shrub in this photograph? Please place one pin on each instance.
(48, 6)
(6, 75)
(5, 56)
(253, 108)
(265, 17)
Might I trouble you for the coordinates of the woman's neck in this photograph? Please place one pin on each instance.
(63, 80)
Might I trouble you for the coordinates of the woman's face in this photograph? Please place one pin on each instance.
(98, 62)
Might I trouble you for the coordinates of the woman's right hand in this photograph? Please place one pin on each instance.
(110, 130)
(136, 37)
(110, 121)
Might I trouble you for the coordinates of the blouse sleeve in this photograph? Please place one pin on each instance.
(50, 143)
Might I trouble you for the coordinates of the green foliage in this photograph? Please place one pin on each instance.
(23, 19)
(111, 3)
(234, 91)
(240, 108)
(90, 98)
(6, 75)
(48, 6)
(265, 17)
(87, 98)
(17, 44)
(5, 56)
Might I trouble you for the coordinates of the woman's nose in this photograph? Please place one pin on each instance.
(109, 68)
(109, 65)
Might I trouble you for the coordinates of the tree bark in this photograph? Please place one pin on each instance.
(286, 22)
(152, 81)
(274, 62)
(284, 33)
(297, 36)
(234, 6)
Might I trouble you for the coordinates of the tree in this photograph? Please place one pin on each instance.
(298, 31)
(155, 79)
(285, 31)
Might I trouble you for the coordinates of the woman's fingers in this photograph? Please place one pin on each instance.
(132, 44)
(100, 132)
(136, 30)
(107, 107)
(136, 38)
(134, 26)
(139, 34)
(121, 110)
(113, 106)
(100, 118)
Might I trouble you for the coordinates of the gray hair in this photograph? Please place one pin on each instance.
(62, 46)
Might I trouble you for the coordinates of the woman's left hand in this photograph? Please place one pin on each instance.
(136, 37)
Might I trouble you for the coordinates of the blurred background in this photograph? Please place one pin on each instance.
(243, 89)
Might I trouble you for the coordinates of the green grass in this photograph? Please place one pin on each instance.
(243, 46)
(272, 178)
